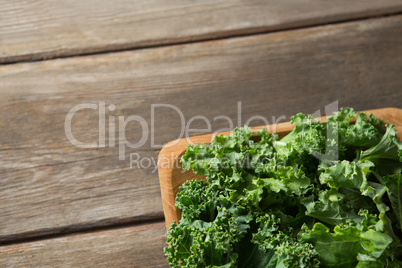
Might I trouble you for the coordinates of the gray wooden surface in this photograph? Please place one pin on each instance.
(140, 246)
(278, 74)
(32, 30)
(61, 205)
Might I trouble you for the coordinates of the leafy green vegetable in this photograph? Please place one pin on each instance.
(328, 194)
(394, 189)
(389, 147)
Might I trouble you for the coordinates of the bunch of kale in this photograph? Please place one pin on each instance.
(326, 195)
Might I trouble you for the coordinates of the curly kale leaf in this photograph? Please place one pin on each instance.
(365, 132)
(209, 237)
(394, 190)
(347, 245)
(389, 147)
(308, 135)
(285, 249)
(328, 194)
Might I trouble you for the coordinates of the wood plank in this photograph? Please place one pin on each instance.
(47, 185)
(140, 246)
(34, 30)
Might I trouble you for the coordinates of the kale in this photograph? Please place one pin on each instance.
(328, 194)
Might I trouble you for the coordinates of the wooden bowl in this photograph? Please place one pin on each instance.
(172, 176)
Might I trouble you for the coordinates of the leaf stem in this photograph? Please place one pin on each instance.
(379, 178)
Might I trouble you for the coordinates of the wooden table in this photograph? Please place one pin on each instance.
(62, 205)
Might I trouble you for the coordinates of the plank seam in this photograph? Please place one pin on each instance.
(37, 57)
(78, 229)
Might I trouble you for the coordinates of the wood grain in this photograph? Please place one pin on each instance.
(172, 176)
(49, 186)
(43, 29)
(140, 246)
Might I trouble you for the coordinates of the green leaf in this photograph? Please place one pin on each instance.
(394, 190)
(285, 250)
(330, 208)
(345, 174)
(346, 246)
(365, 132)
(389, 147)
